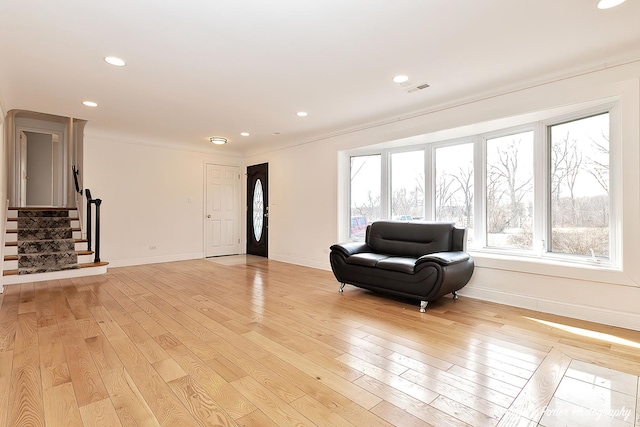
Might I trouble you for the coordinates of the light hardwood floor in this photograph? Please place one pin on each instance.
(271, 344)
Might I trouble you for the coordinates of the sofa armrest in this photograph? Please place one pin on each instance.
(444, 258)
(348, 249)
(459, 241)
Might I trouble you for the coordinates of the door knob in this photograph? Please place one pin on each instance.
(266, 215)
(208, 216)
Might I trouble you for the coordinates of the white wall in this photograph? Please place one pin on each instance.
(145, 192)
(302, 203)
(305, 198)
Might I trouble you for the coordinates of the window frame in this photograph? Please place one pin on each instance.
(407, 149)
(483, 139)
(383, 177)
(472, 240)
(541, 179)
(615, 174)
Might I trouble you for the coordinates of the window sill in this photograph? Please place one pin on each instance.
(546, 266)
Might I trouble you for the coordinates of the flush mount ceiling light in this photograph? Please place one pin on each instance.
(90, 103)
(244, 133)
(608, 4)
(400, 79)
(218, 140)
(114, 60)
(301, 114)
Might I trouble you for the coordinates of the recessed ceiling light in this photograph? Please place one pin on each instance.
(113, 60)
(218, 140)
(400, 79)
(244, 133)
(301, 114)
(608, 4)
(90, 103)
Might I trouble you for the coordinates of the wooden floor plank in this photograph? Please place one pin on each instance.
(359, 395)
(6, 390)
(26, 406)
(215, 385)
(100, 414)
(199, 403)
(86, 379)
(275, 408)
(128, 402)
(165, 406)
(413, 406)
(61, 407)
(537, 393)
(397, 416)
(274, 344)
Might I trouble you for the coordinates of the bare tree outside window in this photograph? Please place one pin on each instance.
(454, 185)
(407, 185)
(509, 194)
(580, 187)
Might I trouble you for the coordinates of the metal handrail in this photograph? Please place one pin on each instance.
(75, 179)
(97, 202)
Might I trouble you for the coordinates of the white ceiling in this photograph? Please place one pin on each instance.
(213, 67)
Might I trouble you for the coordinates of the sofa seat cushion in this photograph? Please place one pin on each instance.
(401, 264)
(366, 259)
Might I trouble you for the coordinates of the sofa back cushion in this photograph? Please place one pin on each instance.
(410, 239)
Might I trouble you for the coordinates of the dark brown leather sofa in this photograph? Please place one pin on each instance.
(417, 260)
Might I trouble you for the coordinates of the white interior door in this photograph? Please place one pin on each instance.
(222, 210)
(39, 159)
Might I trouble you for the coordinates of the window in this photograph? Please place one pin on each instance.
(509, 191)
(539, 190)
(579, 181)
(407, 185)
(365, 207)
(454, 185)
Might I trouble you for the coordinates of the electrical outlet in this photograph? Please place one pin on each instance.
(152, 248)
(190, 199)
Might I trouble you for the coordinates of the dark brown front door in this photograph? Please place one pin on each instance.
(258, 210)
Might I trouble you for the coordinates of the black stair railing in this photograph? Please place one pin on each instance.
(97, 202)
(75, 178)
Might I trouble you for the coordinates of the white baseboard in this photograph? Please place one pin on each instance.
(155, 260)
(576, 311)
(53, 275)
(301, 261)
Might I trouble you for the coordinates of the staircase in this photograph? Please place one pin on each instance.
(46, 244)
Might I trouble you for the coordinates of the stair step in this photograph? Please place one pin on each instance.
(15, 257)
(16, 243)
(15, 230)
(44, 208)
(83, 265)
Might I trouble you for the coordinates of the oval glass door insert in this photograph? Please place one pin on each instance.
(258, 210)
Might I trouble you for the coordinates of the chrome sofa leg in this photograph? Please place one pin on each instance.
(423, 306)
(341, 287)
(455, 294)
